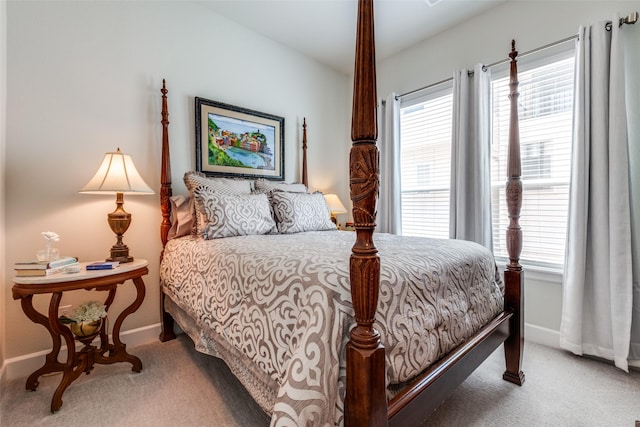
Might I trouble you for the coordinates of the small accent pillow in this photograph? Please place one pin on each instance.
(181, 217)
(297, 212)
(192, 180)
(223, 185)
(229, 215)
(265, 186)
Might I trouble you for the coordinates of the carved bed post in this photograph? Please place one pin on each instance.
(165, 173)
(365, 402)
(166, 332)
(305, 180)
(513, 275)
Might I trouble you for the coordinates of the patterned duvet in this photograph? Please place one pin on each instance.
(277, 309)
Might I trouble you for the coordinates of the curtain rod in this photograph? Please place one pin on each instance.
(632, 18)
(484, 67)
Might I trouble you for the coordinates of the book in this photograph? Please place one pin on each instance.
(103, 265)
(38, 265)
(25, 272)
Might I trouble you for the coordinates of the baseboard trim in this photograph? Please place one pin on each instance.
(540, 335)
(23, 366)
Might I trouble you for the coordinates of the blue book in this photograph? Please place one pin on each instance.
(103, 265)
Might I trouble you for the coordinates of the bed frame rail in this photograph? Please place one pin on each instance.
(413, 404)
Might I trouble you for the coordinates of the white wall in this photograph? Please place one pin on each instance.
(3, 144)
(487, 39)
(85, 77)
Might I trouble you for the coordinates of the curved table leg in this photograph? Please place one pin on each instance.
(104, 337)
(73, 367)
(51, 360)
(70, 375)
(119, 352)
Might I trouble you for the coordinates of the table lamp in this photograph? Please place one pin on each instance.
(335, 206)
(117, 175)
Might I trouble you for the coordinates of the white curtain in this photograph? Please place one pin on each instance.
(389, 219)
(470, 197)
(598, 282)
(632, 64)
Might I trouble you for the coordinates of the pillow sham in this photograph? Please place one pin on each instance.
(193, 179)
(228, 215)
(297, 212)
(264, 186)
(181, 216)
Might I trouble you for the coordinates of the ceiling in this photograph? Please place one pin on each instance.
(325, 29)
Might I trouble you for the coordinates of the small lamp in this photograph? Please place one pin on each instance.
(335, 206)
(117, 175)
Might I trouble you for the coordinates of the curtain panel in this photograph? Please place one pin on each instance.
(470, 191)
(389, 219)
(598, 276)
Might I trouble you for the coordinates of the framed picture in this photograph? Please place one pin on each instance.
(235, 141)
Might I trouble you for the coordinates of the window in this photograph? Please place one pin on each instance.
(425, 158)
(545, 107)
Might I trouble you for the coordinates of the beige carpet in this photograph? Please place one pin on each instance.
(181, 387)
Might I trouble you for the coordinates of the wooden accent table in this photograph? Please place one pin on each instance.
(77, 362)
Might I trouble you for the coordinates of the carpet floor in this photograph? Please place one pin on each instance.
(180, 387)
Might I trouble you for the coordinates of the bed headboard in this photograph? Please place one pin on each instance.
(165, 171)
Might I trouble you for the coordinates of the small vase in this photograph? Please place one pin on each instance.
(82, 329)
(48, 254)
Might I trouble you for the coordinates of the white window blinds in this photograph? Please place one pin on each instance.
(545, 109)
(425, 150)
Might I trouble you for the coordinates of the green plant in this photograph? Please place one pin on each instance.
(87, 312)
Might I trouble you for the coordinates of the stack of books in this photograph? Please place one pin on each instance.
(37, 268)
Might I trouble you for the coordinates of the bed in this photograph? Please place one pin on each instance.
(330, 327)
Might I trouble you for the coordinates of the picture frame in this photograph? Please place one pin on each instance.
(237, 142)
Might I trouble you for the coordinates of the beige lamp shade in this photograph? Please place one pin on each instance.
(117, 174)
(335, 205)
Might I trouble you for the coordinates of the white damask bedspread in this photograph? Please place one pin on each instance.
(277, 309)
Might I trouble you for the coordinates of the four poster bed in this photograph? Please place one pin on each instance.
(279, 302)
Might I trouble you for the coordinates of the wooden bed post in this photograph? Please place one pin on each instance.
(166, 332)
(513, 275)
(365, 401)
(305, 180)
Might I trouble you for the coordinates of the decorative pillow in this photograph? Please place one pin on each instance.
(193, 179)
(181, 216)
(229, 215)
(265, 186)
(296, 212)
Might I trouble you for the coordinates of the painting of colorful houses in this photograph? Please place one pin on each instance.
(239, 143)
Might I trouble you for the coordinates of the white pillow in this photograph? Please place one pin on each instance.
(227, 215)
(296, 212)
